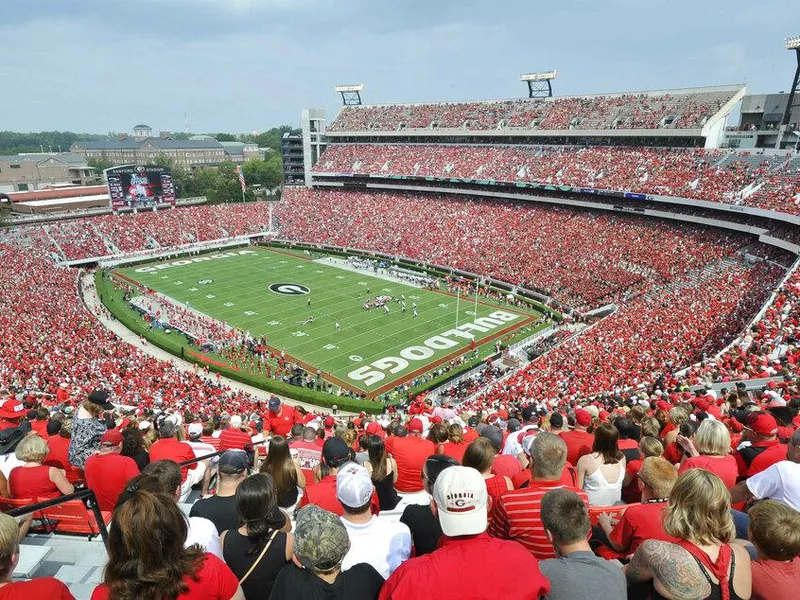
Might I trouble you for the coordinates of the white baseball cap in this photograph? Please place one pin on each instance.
(235, 421)
(195, 429)
(353, 485)
(460, 496)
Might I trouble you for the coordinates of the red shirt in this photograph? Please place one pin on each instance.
(234, 439)
(578, 443)
(767, 458)
(59, 448)
(308, 455)
(470, 435)
(215, 582)
(107, 475)
(40, 427)
(524, 477)
(506, 464)
(775, 580)
(518, 517)
(638, 523)
(410, 453)
(32, 482)
(211, 441)
(172, 449)
(41, 587)
(280, 423)
(323, 494)
(723, 467)
(477, 567)
(455, 450)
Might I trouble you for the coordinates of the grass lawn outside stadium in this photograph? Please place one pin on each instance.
(267, 292)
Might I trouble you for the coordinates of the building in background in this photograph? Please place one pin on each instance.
(292, 154)
(760, 122)
(24, 172)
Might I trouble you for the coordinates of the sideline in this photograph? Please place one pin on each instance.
(99, 312)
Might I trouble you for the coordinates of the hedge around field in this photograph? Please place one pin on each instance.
(174, 343)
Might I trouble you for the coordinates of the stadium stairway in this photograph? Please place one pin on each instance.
(55, 243)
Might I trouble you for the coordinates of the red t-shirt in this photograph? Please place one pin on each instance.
(638, 523)
(507, 465)
(767, 458)
(107, 475)
(455, 450)
(323, 494)
(578, 443)
(32, 482)
(775, 580)
(215, 582)
(723, 467)
(517, 516)
(40, 427)
(234, 439)
(41, 587)
(410, 453)
(172, 449)
(59, 448)
(470, 435)
(280, 423)
(308, 455)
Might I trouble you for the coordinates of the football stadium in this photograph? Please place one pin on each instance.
(552, 335)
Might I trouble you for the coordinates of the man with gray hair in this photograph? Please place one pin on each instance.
(320, 545)
(780, 481)
(517, 515)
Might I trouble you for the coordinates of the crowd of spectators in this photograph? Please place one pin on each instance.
(428, 501)
(677, 110)
(685, 173)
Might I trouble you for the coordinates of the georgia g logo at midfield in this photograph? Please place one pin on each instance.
(289, 289)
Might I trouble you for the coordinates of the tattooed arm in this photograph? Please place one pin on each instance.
(673, 571)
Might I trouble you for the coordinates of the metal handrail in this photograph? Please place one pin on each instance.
(86, 494)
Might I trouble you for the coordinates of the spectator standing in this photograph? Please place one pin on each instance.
(424, 526)
(459, 567)
(775, 532)
(383, 471)
(710, 450)
(320, 545)
(285, 471)
(578, 440)
(280, 417)
(410, 452)
(33, 479)
(147, 557)
(518, 513)
(169, 448)
(88, 426)
(107, 472)
(703, 563)
(41, 587)
(577, 573)
(256, 551)
(601, 472)
(323, 493)
(383, 544)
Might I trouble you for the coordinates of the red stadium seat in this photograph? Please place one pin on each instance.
(73, 517)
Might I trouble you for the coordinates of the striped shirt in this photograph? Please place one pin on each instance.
(234, 439)
(517, 516)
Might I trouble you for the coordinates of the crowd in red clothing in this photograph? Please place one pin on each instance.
(688, 110)
(715, 176)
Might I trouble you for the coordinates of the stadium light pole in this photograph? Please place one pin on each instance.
(791, 43)
(351, 94)
(540, 83)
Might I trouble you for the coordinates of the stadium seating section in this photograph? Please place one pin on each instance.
(674, 110)
(771, 183)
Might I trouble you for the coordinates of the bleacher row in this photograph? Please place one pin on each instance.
(673, 110)
(767, 182)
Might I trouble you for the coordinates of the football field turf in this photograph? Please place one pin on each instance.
(267, 292)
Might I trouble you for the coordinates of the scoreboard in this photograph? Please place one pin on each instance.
(140, 186)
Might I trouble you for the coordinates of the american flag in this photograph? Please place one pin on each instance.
(241, 178)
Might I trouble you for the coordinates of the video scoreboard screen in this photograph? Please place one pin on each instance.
(140, 187)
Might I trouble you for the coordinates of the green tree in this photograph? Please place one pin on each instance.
(225, 137)
(100, 164)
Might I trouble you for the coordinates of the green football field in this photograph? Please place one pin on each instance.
(267, 292)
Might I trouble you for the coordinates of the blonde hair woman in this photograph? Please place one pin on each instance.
(710, 450)
(701, 563)
(33, 479)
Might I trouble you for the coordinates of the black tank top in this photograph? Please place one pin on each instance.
(716, 593)
(387, 495)
(259, 583)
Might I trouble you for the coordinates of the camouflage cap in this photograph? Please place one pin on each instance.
(320, 539)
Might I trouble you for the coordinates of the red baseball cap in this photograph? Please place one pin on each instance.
(763, 424)
(373, 427)
(112, 437)
(329, 422)
(415, 425)
(12, 409)
(582, 417)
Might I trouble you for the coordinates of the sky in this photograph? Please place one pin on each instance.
(248, 65)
